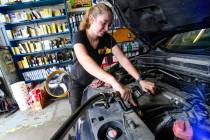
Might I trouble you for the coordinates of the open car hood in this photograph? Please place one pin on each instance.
(154, 20)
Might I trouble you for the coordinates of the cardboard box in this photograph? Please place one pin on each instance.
(38, 97)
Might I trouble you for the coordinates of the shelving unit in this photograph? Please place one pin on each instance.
(12, 25)
(43, 52)
(36, 37)
(47, 65)
(131, 48)
(9, 7)
(20, 46)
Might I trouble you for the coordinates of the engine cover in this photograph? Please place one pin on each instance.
(113, 122)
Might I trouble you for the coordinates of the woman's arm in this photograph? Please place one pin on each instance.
(94, 69)
(128, 66)
(125, 62)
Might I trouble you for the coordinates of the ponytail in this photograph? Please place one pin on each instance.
(85, 23)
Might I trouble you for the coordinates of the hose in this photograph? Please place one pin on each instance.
(68, 124)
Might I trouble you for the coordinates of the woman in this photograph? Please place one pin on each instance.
(89, 46)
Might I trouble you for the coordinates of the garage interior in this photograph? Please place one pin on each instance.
(36, 54)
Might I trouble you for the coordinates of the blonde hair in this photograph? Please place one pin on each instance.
(96, 10)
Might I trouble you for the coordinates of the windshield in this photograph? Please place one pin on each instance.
(193, 42)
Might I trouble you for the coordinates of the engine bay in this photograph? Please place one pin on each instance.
(176, 98)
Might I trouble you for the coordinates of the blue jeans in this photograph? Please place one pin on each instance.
(76, 82)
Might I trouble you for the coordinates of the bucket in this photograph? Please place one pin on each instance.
(20, 93)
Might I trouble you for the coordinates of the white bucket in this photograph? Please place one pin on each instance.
(20, 93)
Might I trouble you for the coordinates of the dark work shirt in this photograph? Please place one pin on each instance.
(98, 54)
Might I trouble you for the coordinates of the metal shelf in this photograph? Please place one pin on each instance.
(131, 51)
(79, 10)
(37, 80)
(43, 52)
(36, 37)
(41, 20)
(5, 8)
(48, 65)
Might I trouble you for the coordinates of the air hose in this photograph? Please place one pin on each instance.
(68, 124)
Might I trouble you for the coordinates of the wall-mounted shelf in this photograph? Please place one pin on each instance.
(42, 36)
(36, 81)
(17, 6)
(21, 58)
(43, 52)
(48, 65)
(41, 20)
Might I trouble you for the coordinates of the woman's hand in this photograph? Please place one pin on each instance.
(147, 86)
(125, 93)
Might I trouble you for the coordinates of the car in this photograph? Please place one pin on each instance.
(176, 57)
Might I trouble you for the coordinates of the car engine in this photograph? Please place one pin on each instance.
(178, 97)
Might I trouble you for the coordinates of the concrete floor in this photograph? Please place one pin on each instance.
(34, 125)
